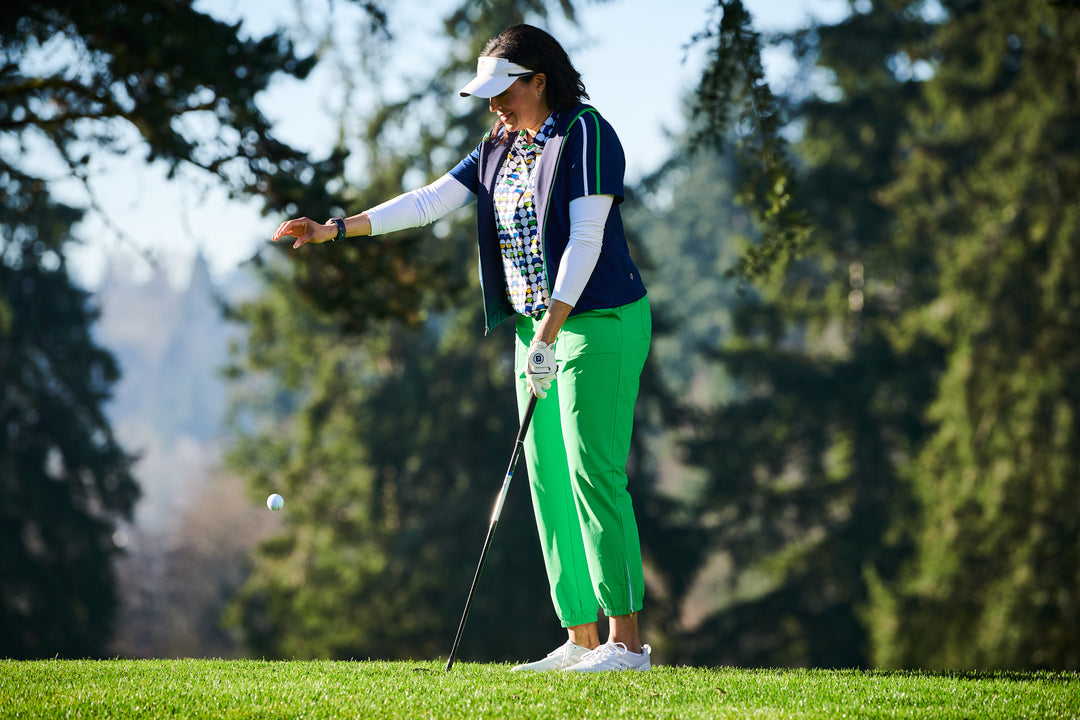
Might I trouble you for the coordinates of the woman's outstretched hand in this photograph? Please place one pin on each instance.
(304, 231)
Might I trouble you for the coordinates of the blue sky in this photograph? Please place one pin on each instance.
(633, 59)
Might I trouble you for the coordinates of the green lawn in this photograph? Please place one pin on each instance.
(257, 689)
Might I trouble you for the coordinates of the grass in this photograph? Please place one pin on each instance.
(261, 689)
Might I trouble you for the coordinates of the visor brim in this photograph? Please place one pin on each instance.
(487, 87)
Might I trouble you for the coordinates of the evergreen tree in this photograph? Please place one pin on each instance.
(78, 81)
(802, 467)
(990, 194)
(65, 480)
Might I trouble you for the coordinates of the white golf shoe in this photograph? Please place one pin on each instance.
(614, 656)
(560, 658)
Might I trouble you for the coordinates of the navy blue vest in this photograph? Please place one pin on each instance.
(582, 157)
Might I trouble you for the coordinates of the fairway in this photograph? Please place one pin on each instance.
(261, 689)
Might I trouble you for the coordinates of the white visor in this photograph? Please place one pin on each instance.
(493, 76)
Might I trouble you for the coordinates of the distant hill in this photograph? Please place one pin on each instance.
(171, 344)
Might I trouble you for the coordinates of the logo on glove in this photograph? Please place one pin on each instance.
(538, 358)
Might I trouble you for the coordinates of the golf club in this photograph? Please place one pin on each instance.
(518, 444)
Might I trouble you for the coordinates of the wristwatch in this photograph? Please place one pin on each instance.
(340, 222)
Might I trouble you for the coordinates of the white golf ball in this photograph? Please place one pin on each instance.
(275, 502)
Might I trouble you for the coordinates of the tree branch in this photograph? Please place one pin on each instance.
(733, 92)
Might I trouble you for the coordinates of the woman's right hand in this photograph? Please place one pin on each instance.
(305, 230)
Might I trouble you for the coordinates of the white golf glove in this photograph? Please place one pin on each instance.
(541, 368)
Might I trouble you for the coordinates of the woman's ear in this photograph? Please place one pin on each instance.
(540, 79)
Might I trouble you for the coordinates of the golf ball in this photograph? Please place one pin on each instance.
(275, 502)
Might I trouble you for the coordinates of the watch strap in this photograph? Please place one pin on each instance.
(340, 222)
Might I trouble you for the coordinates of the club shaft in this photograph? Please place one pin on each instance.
(519, 443)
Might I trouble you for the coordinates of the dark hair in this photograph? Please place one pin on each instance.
(533, 48)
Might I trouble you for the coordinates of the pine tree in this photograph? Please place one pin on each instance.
(65, 480)
(79, 81)
(803, 466)
(990, 194)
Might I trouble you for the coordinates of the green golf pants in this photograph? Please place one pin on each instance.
(576, 451)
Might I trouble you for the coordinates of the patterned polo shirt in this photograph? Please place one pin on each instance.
(527, 284)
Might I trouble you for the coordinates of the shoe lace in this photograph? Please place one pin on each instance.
(605, 650)
(563, 649)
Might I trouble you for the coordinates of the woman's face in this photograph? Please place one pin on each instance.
(523, 105)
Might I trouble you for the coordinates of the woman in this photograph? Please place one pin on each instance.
(548, 179)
